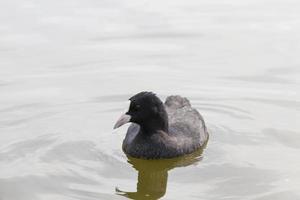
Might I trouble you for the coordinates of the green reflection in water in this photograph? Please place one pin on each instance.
(153, 175)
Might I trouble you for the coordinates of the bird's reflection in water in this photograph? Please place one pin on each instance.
(153, 175)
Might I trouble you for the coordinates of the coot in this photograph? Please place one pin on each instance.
(162, 130)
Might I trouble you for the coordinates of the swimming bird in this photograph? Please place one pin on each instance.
(162, 130)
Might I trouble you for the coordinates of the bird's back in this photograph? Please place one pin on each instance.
(185, 121)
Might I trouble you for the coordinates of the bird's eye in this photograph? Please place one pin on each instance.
(136, 107)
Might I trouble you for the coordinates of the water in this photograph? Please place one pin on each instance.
(67, 69)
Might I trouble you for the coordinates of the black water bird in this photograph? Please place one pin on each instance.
(162, 130)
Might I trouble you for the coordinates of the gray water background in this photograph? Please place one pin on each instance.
(67, 69)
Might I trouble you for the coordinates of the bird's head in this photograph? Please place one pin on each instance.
(146, 110)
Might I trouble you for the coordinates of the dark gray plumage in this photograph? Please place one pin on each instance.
(162, 130)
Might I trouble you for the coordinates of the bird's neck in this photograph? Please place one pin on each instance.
(153, 127)
(156, 124)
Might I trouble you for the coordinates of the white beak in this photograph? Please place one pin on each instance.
(122, 120)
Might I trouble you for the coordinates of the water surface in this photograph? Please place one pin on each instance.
(67, 69)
